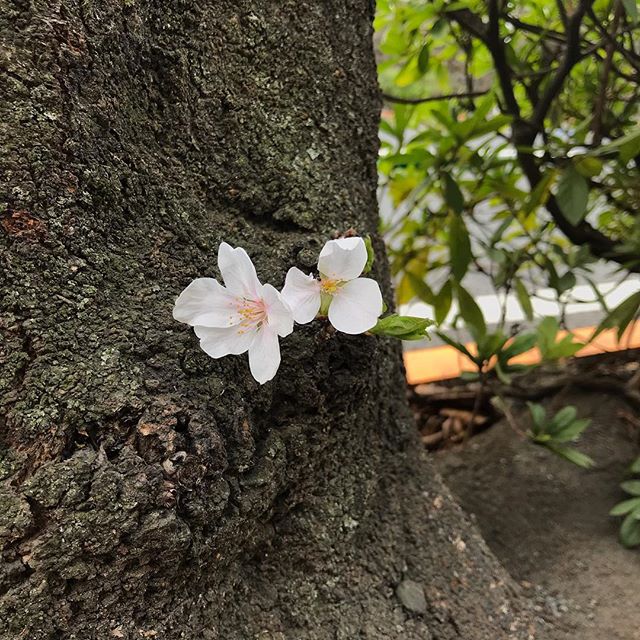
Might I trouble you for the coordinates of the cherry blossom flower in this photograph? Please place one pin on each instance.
(244, 315)
(353, 304)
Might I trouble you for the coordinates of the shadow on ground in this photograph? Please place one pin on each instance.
(547, 521)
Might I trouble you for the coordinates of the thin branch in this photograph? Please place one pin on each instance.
(524, 135)
(469, 21)
(571, 57)
(630, 55)
(496, 46)
(583, 233)
(551, 34)
(525, 131)
(502, 405)
(446, 96)
(563, 12)
(601, 99)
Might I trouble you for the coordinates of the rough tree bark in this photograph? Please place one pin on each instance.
(147, 491)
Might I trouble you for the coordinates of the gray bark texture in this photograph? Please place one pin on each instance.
(147, 491)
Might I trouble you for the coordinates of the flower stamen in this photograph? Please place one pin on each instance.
(253, 314)
(329, 286)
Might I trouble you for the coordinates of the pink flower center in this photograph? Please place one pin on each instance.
(253, 314)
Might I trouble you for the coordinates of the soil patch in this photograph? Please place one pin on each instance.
(547, 520)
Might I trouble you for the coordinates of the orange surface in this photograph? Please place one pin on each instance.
(440, 363)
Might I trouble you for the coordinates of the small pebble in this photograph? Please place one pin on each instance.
(411, 595)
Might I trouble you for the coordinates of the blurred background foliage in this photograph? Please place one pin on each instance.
(510, 150)
(510, 157)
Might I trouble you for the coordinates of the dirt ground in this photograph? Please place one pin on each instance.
(547, 520)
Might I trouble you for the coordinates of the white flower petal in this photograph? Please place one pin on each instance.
(264, 355)
(238, 272)
(302, 294)
(279, 315)
(356, 306)
(206, 302)
(217, 342)
(343, 259)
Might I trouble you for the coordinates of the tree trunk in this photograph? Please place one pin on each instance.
(147, 491)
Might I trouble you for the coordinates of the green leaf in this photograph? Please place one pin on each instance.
(564, 348)
(588, 166)
(370, 254)
(471, 313)
(631, 487)
(520, 344)
(404, 291)
(566, 282)
(490, 344)
(564, 417)
(627, 145)
(621, 316)
(423, 59)
(420, 288)
(409, 73)
(624, 507)
(459, 247)
(541, 438)
(499, 232)
(571, 431)
(630, 149)
(630, 531)
(631, 8)
(487, 126)
(553, 277)
(516, 368)
(598, 295)
(573, 195)
(402, 327)
(538, 414)
(635, 466)
(457, 345)
(503, 376)
(452, 194)
(572, 455)
(439, 26)
(540, 194)
(523, 298)
(547, 332)
(442, 302)
(402, 116)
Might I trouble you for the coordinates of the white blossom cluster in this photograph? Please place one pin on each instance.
(246, 315)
